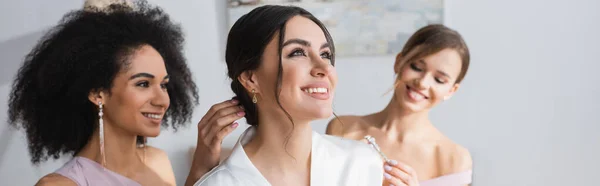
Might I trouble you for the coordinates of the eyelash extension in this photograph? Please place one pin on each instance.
(142, 83)
(164, 85)
(439, 81)
(328, 54)
(293, 53)
(147, 84)
(414, 67)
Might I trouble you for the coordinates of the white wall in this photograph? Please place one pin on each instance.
(23, 22)
(527, 109)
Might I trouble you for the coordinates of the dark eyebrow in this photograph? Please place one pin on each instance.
(146, 75)
(138, 75)
(325, 45)
(443, 73)
(304, 43)
(297, 41)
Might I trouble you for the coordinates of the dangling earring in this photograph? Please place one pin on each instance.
(101, 130)
(254, 100)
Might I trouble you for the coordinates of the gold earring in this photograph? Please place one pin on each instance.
(254, 100)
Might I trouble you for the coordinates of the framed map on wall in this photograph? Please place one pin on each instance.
(360, 27)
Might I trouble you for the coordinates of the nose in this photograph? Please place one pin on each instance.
(321, 67)
(160, 98)
(421, 83)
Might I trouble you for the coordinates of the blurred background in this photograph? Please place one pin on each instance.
(528, 110)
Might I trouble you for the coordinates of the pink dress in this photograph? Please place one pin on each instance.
(456, 179)
(86, 172)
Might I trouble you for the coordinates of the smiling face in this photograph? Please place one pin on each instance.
(308, 77)
(425, 82)
(138, 99)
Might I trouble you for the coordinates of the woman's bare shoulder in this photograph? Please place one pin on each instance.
(454, 157)
(346, 125)
(54, 179)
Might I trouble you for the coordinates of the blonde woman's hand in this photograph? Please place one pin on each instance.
(399, 174)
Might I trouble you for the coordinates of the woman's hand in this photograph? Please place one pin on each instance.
(217, 123)
(399, 174)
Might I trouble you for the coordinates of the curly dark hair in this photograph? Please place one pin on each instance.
(84, 53)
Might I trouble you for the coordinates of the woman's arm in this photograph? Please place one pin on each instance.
(217, 123)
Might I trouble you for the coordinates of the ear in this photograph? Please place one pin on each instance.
(96, 96)
(397, 64)
(249, 81)
(452, 91)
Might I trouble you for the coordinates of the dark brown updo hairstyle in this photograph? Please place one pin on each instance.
(247, 40)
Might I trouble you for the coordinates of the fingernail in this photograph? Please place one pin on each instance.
(392, 185)
(393, 162)
(234, 101)
(242, 107)
(234, 125)
(387, 168)
(241, 113)
(387, 176)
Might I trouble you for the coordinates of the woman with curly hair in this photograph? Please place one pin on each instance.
(96, 86)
